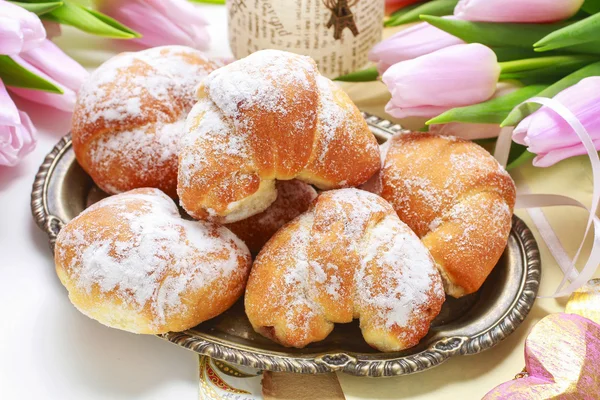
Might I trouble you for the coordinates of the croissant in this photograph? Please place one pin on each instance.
(349, 256)
(456, 197)
(130, 114)
(131, 262)
(270, 116)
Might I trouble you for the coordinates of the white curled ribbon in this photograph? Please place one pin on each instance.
(532, 203)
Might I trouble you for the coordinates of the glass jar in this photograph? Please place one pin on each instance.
(337, 34)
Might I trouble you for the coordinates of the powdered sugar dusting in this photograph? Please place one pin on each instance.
(331, 115)
(258, 81)
(395, 280)
(423, 184)
(208, 129)
(397, 274)
(150, 147)
(138, 102)
(153, 258)
(117, 89)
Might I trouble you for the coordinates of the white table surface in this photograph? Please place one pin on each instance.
(48, 350)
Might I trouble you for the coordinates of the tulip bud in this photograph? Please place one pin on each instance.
(455, 76)
(20, 30)
(549, 136)
(410, 43)
(17, 133)
(49, 62)
(161, 22)
(524, 11)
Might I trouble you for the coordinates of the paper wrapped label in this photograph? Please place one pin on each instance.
(337, 34)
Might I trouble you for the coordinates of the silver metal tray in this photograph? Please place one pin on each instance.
(465, 326)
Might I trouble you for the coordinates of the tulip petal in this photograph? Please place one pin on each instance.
(158, 29)
(11, 38)
(550, 137)
(182, 11)
(51, 60)
(422, 111)
(518, 114)
(546, 130)
(553, 156)
(528, 11)
(20, 30)
(9, 115)
(410, 43)
(164, 22)
(16, 141)
(65, 101)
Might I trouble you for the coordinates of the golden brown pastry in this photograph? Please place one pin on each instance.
(293, 198)
(270, 116)
(457, 199)
(130, 114)
(130, 262)
(349, 256)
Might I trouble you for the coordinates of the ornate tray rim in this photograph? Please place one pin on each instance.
(434, 355)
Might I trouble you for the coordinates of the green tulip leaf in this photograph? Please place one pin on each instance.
(516, 53)
(583, 31)
(518, 114)
(90, 21)
(39, 8)
(13, 74)
(547, 73)
(434, 7)
(492, 111)
(592, 47)
(113, 22)
(591, 6)
(518, 156)
(494, 34)
(365, 75)
(544, 62)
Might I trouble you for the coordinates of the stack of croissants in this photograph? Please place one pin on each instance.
(286, 197)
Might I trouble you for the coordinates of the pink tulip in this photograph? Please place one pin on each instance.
(49, 62)
(410, 43)
(550, 137)
(161, 22)
(455, 76)
(17, 133)
(525, 11)
(20, 30)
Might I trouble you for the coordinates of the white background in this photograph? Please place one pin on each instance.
(48, 350)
